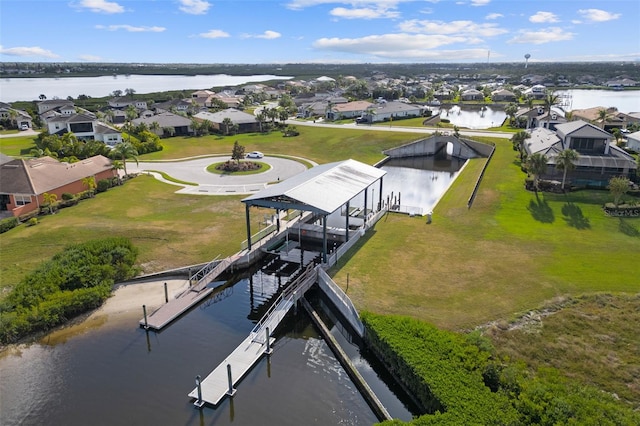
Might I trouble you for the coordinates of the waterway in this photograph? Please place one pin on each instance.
(30, 89)
(117, 373)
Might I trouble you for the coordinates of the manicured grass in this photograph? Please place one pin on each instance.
(510, 252)
(18, 146)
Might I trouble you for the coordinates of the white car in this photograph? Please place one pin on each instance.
(255, 154)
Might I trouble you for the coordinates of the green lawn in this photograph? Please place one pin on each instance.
(509, 253)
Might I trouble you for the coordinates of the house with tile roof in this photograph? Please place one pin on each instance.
(17, 117)
(167, 120)
(23, 183)
(599, 158)
(84, 127)
(348, 110)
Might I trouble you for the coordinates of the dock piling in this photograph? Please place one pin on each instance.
(231, 390)
(269, 351)
(199, 402)
(144, 311)
(166, 294)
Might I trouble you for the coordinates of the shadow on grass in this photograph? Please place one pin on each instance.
(573, 216)
(540, 210)
(627, 228)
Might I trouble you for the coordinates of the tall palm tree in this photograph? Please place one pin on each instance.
(123, 151)
(565, 161)
(117, 165)
(227, 123)
(536, 165)
(602, 116)
(49, 199)
(90, 183)
(550, 101)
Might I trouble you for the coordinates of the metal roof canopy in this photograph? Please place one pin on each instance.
(321, 190)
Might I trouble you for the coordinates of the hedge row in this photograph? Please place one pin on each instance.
(458, 383)
(74, 281)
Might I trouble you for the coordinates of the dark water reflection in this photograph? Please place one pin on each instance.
(421, 181)
(120, 374)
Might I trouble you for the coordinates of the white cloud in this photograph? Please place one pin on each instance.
(597, 15)
(364, 13)
(27, 51)
(467, 28)
(269, 35)
(131, 28)
(546, 35)
(90, 58)
(194, 7)
(480, 2)
(214, 34)
(543, 18)
(374, 4)
(492, 16)
(101, 6)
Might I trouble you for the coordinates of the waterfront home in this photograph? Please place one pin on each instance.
(392, 110)
(599, 158)
(247, 123)
(123, 103)
(21, 119)
(84, 127)
(633, 141)
(179, 125)
(348, 110)
(472, 95)
(23, 183)
(503, 95)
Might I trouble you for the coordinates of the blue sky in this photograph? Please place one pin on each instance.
(287, 31)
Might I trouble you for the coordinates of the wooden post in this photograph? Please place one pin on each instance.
(231, 390)
(199, 402)
(166, 294)
(144, 311)
(269, 351)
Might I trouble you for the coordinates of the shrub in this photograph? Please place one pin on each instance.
(103, 185)
(7, 224)
(74, 281)
(67, 196)
(32, 221)
(25, 217)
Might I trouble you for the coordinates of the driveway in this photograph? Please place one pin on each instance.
(195, 171)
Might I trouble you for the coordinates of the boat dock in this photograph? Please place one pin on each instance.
(222, 380)
(171, 310)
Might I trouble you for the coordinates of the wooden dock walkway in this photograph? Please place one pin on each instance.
(217, 384)
(171, 310)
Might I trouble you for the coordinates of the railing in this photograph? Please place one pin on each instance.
(258, 236)
(205, 269)
(341, 301)
(289, 295)
(204, 275)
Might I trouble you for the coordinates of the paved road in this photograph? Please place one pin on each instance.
(195, 171)
(400, 129)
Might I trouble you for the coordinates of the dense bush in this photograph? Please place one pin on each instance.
(67, 196)
(458, 383)
(74, 281)
(7, 224)
(103, 185)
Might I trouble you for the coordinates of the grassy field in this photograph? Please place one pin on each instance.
(510, 252)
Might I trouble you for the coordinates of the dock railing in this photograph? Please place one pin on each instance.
(283, 302)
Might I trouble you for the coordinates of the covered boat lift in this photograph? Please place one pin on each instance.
(321, 190)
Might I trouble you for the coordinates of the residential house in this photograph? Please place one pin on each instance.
(23, 183)
(348, 110)
(18, 117)
(613, 119)
(246, 123)
(179, 125)
(537, 91)
(621, 82)
(503, 95)
(52, 104)
(472, 95)
(230, 99)
(174, 106)
(124, 103)
(202, 94)
(392, 110)
(84, 127)
(633, 141)
(599, 158)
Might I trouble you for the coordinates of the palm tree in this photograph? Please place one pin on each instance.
(227, 123)
(549, 101)
(49, 199)
(42, 97)
(123, 151)
(618, 186)
(565, 162)
(536, 165)
(511, 111)
(90, 183)
(154, 127)
(602, 116)
(117, 165)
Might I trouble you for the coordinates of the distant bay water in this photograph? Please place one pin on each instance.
(29, 89)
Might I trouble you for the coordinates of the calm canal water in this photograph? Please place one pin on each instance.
(117, 373)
